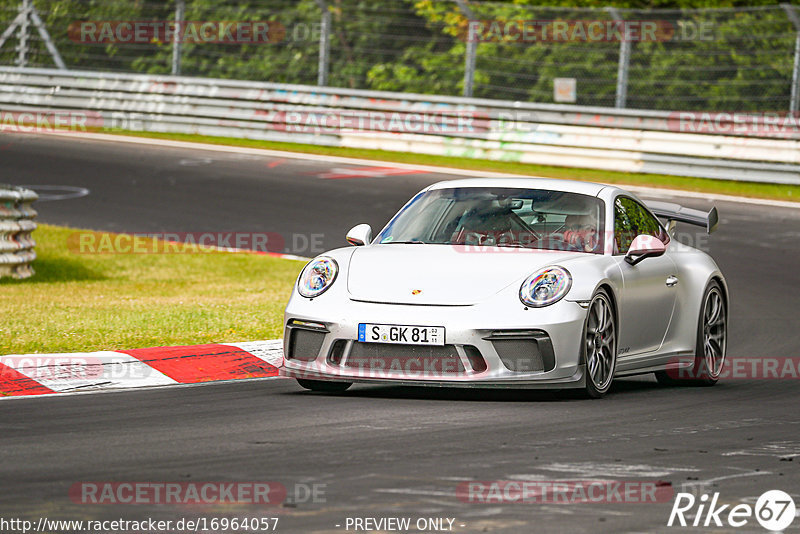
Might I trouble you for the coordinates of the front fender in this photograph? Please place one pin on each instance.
(590, 273)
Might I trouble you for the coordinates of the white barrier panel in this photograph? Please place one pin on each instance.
(544, 134)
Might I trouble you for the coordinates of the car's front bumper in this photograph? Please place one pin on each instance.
(517, 347)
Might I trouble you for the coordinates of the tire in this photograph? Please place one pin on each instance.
(710, 344)
(324, 386)
(599, 347)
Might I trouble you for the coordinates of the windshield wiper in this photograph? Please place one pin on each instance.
(412, 242)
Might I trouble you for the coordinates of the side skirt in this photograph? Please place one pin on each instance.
(637, 365)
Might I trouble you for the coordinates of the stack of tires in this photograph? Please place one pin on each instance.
(16, 224)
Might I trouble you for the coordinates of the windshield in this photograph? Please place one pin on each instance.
(500, 217)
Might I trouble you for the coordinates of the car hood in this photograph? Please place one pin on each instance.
(440, 274)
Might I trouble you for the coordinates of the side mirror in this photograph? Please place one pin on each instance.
(359, 235)
(644, 246)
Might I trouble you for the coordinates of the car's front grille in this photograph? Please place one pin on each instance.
(304, 345)
(524, 351)
(519, 355)
(414, 361)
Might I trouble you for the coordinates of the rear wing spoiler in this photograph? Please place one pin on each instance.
(675, 212)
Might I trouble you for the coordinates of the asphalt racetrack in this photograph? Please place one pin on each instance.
(389, 451)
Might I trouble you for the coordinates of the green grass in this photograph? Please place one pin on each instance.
(83, 302)
(704, 185)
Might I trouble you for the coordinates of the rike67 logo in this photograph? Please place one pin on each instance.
(774, 510)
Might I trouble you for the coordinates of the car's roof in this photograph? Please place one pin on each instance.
(549, 184)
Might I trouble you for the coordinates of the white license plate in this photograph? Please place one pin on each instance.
(403, 334)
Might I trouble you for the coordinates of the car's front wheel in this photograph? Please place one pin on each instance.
(712, 332)
(600, 345)
(323, 385)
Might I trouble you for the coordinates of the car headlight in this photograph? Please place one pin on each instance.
(317, 276)
(545, 286)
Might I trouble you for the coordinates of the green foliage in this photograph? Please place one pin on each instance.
(722, 60)
(741, 61)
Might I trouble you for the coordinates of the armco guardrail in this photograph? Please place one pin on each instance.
(16, 225)
(547, 134)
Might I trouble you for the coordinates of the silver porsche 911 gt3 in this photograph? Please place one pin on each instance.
(512, 283)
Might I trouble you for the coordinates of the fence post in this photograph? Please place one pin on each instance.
(324, 44)
(22, 36)
(624, 61)
(795, 94)
(45, 35)
(471, 51)
(21, 23)
(177, 42)
(469, 67)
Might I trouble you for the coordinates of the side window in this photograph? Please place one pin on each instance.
(632, 219)
(624, 231)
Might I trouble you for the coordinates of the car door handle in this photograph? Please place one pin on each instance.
(672, 281)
